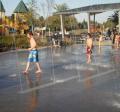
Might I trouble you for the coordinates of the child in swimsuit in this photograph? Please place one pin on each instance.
(89, 51)
(89, 45)
(33, 54)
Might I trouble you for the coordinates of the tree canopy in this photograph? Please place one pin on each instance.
(53, 22)
(61, 7)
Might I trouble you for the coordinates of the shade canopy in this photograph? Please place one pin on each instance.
(98, 8)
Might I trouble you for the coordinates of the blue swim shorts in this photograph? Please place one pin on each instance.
(33, 56)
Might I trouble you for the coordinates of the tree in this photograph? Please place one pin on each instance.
(50, 5)
(41, 21)
(114, 18)
(61, 7)
(70, 22)
(84, 24)
(53, 22)
(33, 14)
(109, 24)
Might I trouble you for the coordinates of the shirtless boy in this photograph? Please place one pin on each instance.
(33, 54)
(89, 45)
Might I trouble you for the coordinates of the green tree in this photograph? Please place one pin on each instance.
(41, 21)
(114, 18)
(84, 24)
(61, 7)
(109, 24)
(54, 21)
(33, 12)
(70, 22)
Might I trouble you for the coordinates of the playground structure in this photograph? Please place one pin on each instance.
(91, 10)
(17, 22)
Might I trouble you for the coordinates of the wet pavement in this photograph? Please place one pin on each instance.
(67, 83)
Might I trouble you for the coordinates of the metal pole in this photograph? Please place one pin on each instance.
(119, 20)
(49, 32)
(88, 22)
(1, 25)
(62, 26)
(94, 23)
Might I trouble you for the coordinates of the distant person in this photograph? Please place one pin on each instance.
(113, 36)
(109, 33)
(119, 39)
(33, 54)
(89, 45)
(116, 40)
(53, 42)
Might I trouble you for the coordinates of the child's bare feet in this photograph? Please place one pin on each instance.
(38, 71)
(25, 72)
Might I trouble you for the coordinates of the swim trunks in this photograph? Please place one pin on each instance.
(33, 56)
(89, 50)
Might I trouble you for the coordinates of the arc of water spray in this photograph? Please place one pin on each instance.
(49, 6)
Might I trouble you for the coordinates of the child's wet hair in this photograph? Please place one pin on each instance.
(89, 35)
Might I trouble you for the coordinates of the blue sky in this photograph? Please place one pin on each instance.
(10, 5)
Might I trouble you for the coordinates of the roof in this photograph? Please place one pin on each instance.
(98, 8)
(1, 7)
(21, 8)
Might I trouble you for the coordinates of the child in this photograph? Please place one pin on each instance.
(89, 45)
(33, 54)
(117, 40)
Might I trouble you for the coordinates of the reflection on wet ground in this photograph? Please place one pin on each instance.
(67, 83)
(33, 101)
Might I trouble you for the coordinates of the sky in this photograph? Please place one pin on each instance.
(10, 5)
